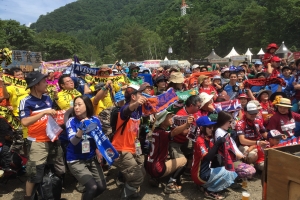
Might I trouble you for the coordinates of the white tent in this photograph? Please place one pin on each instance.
(166, 59)
(283, 49)
(184, 63)
(261, 52)
(232, 53)
(248, 53)
(121, 62)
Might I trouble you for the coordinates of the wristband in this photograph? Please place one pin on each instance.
(104, 88)
(257, 142)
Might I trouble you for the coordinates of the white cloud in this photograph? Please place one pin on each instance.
(28, 11)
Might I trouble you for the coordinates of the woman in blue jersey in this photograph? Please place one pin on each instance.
(81, 150)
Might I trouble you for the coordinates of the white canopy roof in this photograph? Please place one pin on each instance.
(261, 52)
(166, 59)
(248, 53)
(121, 62)
(283, 49)
(232, 53)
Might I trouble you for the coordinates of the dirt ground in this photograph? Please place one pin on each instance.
(14, 190)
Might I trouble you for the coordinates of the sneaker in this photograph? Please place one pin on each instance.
(1, 173)
(154, 182)
(172, 188)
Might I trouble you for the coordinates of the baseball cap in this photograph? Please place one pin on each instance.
(131, 89)
(243, 95)
(144, 86)
(195, 66)
(275, 59)
(256, 103)
(160, 78)
(258, 62)
(251, 108)
(274, 134)
(204, 121)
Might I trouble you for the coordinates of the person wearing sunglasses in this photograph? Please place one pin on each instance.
(133, 75)
(203, 175)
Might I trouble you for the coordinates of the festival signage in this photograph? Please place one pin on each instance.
(26, 60)
(296, 55)
(238, 58)
(221, 60)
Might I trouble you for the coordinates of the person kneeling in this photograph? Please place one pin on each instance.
(81, 151)
(157, 165)
(213, 180)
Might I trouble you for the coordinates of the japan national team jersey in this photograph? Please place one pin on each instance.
(155, 165)
(30, 106)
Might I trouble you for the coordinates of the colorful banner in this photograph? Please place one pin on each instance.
(193, 79)
(10, 80)
(10, 118)
(79, 70)
(294, 141)
(96, 79)
(183, 96)
(228, 106)
(159, 103)
(26, 60)
(55, 65)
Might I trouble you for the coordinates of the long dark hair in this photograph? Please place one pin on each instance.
(88, 104)
(223, 117)
(289, 114)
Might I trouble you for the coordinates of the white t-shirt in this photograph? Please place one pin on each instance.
(220, 133)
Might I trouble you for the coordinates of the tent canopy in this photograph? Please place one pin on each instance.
(248, 53)
(261, 52)
(213, 55)
(184, 63)
(232, 53)
(283, 49)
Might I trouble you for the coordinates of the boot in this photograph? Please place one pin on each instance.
(128, 192)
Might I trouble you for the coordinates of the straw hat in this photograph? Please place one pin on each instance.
(284, 102)
(201, 79)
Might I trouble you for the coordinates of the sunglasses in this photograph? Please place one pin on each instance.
(135, 70)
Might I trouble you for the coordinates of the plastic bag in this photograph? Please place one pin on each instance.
(53, 129)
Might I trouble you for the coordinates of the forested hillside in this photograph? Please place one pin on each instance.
(144, 29)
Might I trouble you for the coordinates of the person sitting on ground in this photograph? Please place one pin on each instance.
(83, 165)
(284, 119)
(213, 180)
(157, 165)
(251, 132)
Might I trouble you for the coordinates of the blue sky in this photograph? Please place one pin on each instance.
(28, 11)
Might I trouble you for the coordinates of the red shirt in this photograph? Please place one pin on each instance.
(209, 90)
(267, 58)
(180, 138)
(283, 124)
(155, 165)
(200, 151)
(251, 132)
(260, 155)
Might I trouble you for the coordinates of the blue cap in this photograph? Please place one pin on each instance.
(204, 121)
(258, 62)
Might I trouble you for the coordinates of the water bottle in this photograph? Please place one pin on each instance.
(138, 149)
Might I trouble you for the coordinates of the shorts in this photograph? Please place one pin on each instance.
(40, 154)
(85, 170)
(178, 150)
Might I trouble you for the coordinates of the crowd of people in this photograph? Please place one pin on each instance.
(227, 145)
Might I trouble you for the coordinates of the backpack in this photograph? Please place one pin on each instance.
(109, 119)
(51, 187)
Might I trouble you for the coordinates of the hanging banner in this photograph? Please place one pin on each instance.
(26, 60)
(55, 65)
(82, 70)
